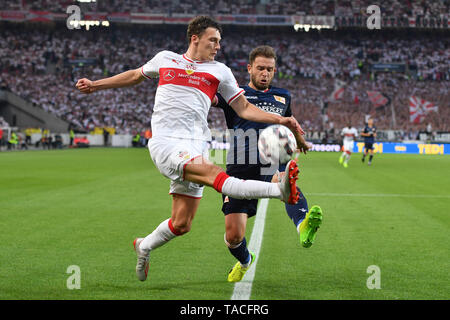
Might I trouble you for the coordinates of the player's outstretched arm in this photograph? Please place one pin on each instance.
(302, 145)
(124, 79)
(248, 111)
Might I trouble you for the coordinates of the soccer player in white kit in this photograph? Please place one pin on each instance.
(349, 133)
(187, 86)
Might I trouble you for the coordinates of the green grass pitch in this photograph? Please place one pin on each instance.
(85, 207)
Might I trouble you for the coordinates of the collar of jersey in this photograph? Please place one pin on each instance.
(192, 61)
(264, 91)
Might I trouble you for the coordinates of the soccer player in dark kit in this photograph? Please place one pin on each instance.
(369, 133)
(241, 162)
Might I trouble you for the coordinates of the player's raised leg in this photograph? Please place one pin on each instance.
(307, 222)
(309, 226)
(204, 172)
(297, 212)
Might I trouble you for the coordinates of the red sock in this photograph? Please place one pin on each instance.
(219, 181)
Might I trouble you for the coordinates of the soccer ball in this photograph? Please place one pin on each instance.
(276, 144)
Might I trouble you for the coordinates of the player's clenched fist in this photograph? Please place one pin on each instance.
(85, 86)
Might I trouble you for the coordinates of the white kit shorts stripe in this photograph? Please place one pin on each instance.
(171, 155)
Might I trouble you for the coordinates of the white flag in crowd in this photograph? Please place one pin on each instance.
(419, 108)
(338, 92)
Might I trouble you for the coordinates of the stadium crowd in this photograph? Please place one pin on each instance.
(438, 8)
(308, 63)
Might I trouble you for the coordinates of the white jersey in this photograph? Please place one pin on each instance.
(184, 94)
(349, 134)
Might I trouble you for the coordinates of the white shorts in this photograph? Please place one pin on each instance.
(348, 146)
(171, 155)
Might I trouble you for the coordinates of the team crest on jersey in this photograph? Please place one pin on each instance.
(280, 99)
(184, 155)
(190, 69)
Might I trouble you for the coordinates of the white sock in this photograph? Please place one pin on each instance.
(160, 236)
(250, 189)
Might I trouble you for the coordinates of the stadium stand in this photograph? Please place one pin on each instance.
(277, 7)
(53, 58)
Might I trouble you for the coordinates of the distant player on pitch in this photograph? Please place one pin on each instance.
(369, 133)
(187, 86)
(261, 67)
(349, 133)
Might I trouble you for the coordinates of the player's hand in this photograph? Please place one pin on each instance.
(303, 146)
(85, 86)
(215, 101)
(292, 124)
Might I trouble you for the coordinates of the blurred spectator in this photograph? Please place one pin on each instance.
(13, 141)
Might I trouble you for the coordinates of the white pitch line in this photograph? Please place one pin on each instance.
(243, 289)
(379, 195)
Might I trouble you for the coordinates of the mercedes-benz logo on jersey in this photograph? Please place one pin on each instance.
(169, 75)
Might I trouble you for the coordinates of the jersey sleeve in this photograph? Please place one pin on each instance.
(288, 112)
(228, 87)
(151, 68)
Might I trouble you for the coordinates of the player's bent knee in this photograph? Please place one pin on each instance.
(233, 239)
(205, 173)
(215, 171)
(181, 227)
